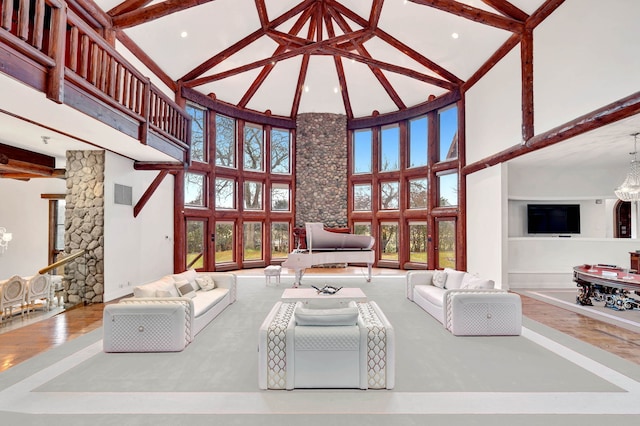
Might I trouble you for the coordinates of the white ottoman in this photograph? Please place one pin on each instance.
(485, 314)
(272, 271)
(144, 328)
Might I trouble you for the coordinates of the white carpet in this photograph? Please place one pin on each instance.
(540, 377)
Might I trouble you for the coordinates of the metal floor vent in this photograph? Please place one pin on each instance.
(123, 194)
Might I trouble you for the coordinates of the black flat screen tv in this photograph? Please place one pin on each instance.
(553, 218)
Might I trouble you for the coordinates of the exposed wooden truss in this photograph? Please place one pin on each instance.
(16, 163)
(323, 28)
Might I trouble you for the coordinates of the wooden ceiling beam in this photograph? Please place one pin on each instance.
(507, 9)
(543, 12)
(302, 75)
(264, 73)
(215, 60)
(382, 79)
(127, 6)
(376, 10)
(158, 165)
(390, 67)
(474, 14)
(261, 8)
(346, 101)
(422, 60)
(153, 12)
(311, 48)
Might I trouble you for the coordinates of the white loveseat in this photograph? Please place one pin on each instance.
(166, 314)
(464, 303)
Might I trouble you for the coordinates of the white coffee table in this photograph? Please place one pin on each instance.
(311, 296)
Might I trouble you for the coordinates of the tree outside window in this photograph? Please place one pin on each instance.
(280, 195)
(389, 196)
(225, 193)
(194, 189)
(224, 241)
(195, 243)
(448, 190)
(418, 190)
(389, 241)
(197, 133)
(252, 244)
(225, 141)
(418, 242)
(252, 195)
(362, 197)
(280, 151)
(279, 239)
(253, 148)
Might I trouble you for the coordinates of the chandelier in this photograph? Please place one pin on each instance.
(630, 188)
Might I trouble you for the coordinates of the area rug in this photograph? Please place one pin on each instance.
(542, 376)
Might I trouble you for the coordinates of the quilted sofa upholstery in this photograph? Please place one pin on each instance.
(352, 347)
(200, 305)
(465, 304)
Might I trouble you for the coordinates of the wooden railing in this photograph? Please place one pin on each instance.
(56, 38)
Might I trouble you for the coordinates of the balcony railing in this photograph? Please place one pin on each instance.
(56, 40)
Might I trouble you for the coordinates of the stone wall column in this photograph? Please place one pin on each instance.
(321, 169)
(84, 227)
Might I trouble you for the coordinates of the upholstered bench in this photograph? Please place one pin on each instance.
(272, 271)
(348, 347)
(483, 314)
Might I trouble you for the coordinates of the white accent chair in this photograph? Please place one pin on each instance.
(38, 288)
(12, 294)
(352, 347)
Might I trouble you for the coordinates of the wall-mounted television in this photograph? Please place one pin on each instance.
(553, 218)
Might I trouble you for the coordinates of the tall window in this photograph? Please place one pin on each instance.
(194, 189)
(253, 148)
(238, 203)
(418, 142)
(362, 153)
(280, 151)
(448, 133)
(390, 148)
(195, 243)
(198, 146)
(225, 141)
(403, 188)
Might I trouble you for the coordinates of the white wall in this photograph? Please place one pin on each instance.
(137, 250)
(584, 58)
(493, 110)
(26, 215)
(486, 224)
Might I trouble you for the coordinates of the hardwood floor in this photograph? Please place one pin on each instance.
(18, 345)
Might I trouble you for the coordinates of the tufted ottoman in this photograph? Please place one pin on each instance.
(484, 314)
(351, 347)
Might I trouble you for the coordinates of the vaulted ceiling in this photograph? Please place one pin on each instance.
(351, 57)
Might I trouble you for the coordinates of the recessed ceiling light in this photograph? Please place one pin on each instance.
(455, 35)
(335, 90)
(184, 34)
(306, 88)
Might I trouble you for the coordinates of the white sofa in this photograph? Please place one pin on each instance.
(350, 347)
(166, 314)
(465, 304)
